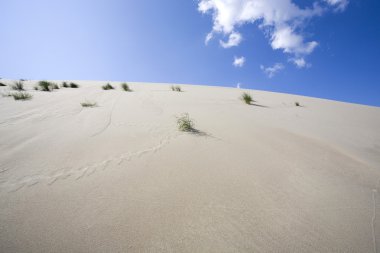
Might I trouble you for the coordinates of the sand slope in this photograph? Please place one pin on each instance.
(120, 177)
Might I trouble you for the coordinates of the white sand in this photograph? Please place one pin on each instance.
(120, 177)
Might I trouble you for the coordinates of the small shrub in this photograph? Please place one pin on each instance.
(125, 87)
(17, 86)
(184, 123)
(297, 104)
(74, 85)
(65, 85)
(21, 95)
(46, 86)
(176, 88)
(55, 86)
(2, 84)
(246, 98)
(88, 104)
(107, 87)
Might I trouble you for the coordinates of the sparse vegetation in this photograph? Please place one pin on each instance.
(176, 88)
(297, 104)
(74, 85)
(65, 85)
(46, 86)
(20, 95)
(88, 104)
(2, 84)
(18, 85)
(185, 124)
(125, 87)
(55, 86)
(107, 87)
(246, 97)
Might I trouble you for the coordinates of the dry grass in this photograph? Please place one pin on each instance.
(20, 95)
(184, 123)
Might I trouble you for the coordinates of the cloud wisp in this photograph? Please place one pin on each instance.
(238, 61)
(272, 71)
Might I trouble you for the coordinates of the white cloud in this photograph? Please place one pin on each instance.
(300, 62)
(339, 4)
(271, 71)
(239, 61)
(233, 40)
(281, 20)
(285, 38)
(209, 37)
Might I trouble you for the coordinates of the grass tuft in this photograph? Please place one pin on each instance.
(65, 85)
(46, 86)
(3, 84)
(125, 87)
(21, 95)
(107, 87)
(55, 86)
(246, 97)
(88, 104)
(297, 104)
(176, 88)
(74, 85)
(18, 85)
(184, 123)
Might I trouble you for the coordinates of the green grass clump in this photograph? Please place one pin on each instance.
(107, 87)
(46, 86)
(74, 85)
(246, 97)
(17, 86)
(185, 124)
(176, 88)
(125, 87)
(21, 95)
(88, 104)
(297, 104)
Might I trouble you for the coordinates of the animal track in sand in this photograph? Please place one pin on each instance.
(81, 172)
(108, 123)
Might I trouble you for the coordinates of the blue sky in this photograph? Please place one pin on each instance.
(335, 43)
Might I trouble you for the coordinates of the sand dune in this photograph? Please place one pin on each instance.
(120, 177)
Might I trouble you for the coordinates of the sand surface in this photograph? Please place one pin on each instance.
(120, 177)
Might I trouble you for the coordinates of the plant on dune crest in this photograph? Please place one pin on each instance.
(21, 95)
(297, 104)
(46, 86)
(246, 97)
(65, 85)
(184, 123)
(17, 86)
(107, 87)
(2, 84)
(74, 85)
(125, 87)
(55, 86)
(88, 104)
(176, 88)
